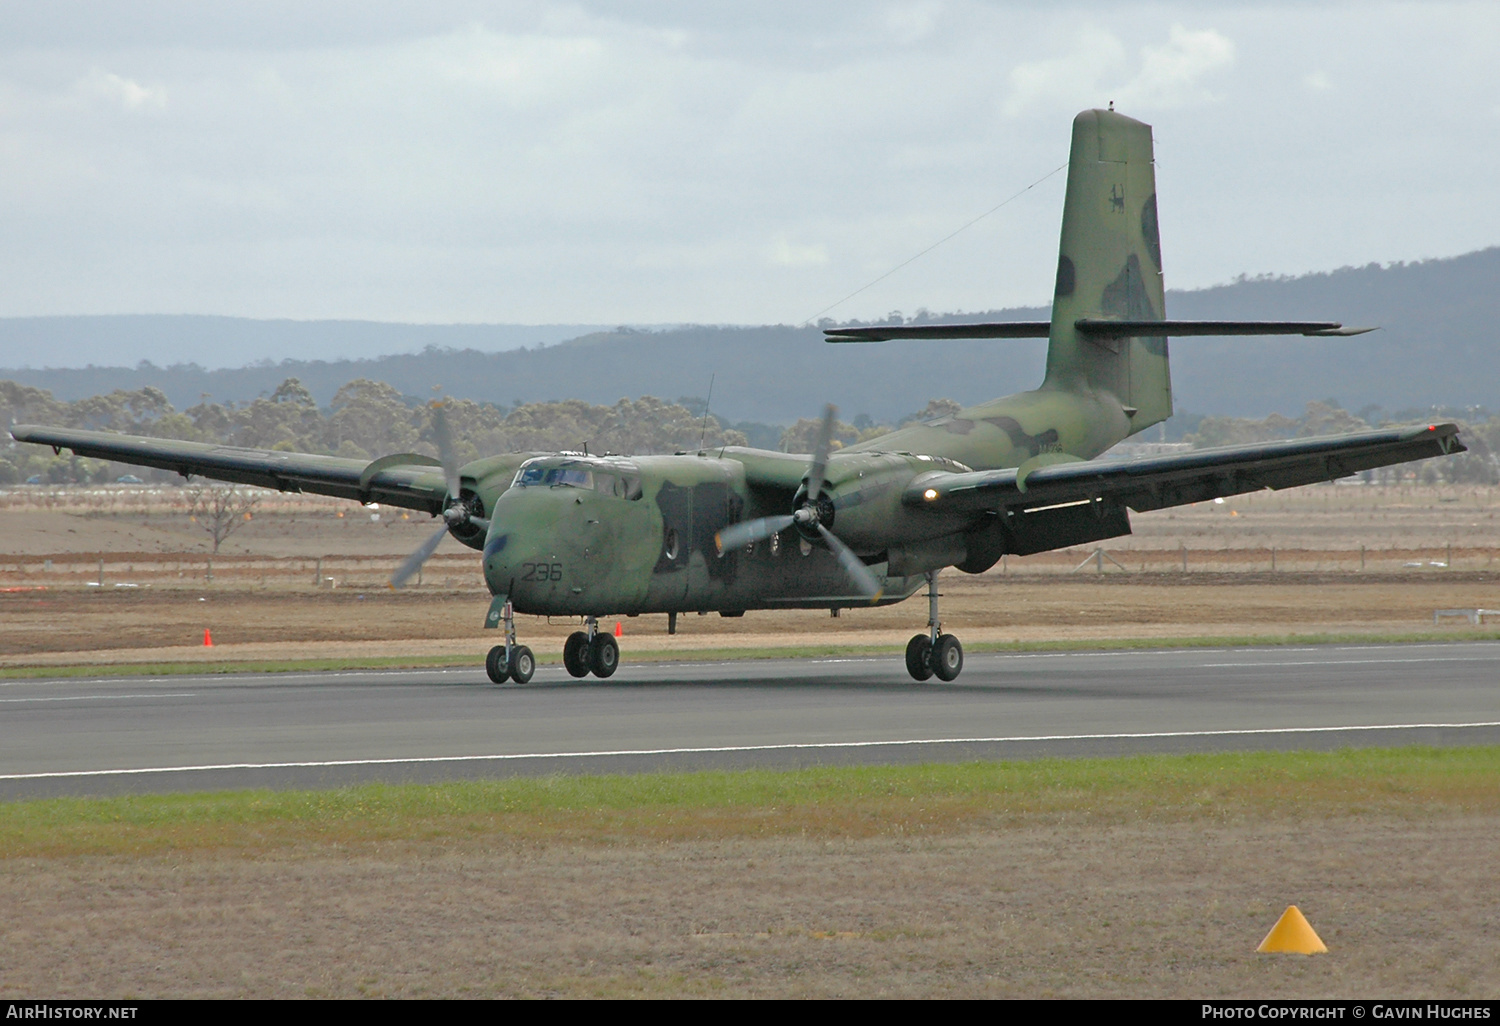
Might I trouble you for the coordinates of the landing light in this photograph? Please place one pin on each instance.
(930, 494)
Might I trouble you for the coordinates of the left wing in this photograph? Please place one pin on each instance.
(1156, 482)
(405, 479)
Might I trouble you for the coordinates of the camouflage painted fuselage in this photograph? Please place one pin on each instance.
(648, 544)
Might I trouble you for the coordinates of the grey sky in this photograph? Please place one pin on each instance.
(671, 162)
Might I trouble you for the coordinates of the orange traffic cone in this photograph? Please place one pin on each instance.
(208, 639)
(619, 630)
(1293, 934)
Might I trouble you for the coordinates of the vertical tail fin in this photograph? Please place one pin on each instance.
(1109, 267)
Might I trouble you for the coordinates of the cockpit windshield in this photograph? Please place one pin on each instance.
(555, 477)
(574, 475)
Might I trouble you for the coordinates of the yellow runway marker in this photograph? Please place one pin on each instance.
(1293, 934)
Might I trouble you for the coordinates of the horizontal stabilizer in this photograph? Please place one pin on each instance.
(1091, 326)
(1182, 329)
(1007, 329)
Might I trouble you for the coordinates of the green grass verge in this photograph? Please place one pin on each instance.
(852, 802)
(548, 657)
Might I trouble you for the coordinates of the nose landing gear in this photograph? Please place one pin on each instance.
(589, 651)
(510, 661)
(934, 652)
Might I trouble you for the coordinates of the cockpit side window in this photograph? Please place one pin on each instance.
(573, 477)
(529, 476)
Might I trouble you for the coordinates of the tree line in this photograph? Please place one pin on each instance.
(369, 418)
(1478, 428)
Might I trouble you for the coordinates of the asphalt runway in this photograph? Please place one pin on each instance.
(188, 733)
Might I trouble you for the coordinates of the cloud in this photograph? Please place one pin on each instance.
(912, 22)
(1171, 75)
(1098, 69)
(126, 93)
(1069, 81)
(783, 253)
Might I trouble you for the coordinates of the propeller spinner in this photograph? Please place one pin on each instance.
(808, 518)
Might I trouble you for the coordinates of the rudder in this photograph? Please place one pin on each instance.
(1109, 268)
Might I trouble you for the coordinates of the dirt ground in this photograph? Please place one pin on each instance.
(102, 575)
(1407, 907)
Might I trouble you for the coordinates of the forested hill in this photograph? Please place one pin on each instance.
(1437, 346)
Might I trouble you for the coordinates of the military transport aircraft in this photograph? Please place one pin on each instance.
(734, 529)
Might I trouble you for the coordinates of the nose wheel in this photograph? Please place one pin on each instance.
(589, 651)
(934, 653)
(517, 665)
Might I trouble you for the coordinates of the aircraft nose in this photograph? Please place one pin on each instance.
(518, 544)
(499, 566)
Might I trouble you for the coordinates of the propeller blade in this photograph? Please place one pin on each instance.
(736, 535)
(444, 439)
(819, 467)
(853, 565)
(414, 562)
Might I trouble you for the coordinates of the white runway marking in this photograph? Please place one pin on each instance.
(1349, 662)
(806, 746)
(97, 698)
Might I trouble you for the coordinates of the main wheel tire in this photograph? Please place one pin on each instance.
(576, 654)
(494, 665)
(919, 657)
(524, 665)
(604, 655)
(947, 658)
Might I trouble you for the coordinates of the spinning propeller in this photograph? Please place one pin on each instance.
(456, 511)
(816, 508)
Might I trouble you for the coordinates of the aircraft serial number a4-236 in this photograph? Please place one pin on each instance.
(737, 529)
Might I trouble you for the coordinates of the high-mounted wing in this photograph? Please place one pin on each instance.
(1156, 482)
(404, 479)
(1091, 326)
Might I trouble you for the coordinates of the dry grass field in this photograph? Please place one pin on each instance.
(118, 575)
(1147, 877)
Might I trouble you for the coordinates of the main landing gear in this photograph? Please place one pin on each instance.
(587, 651)
(934, 652)
(510, 661)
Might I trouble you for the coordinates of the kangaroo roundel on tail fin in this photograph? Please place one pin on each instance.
(1109, 268)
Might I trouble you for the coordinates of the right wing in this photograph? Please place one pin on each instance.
(409, 480)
